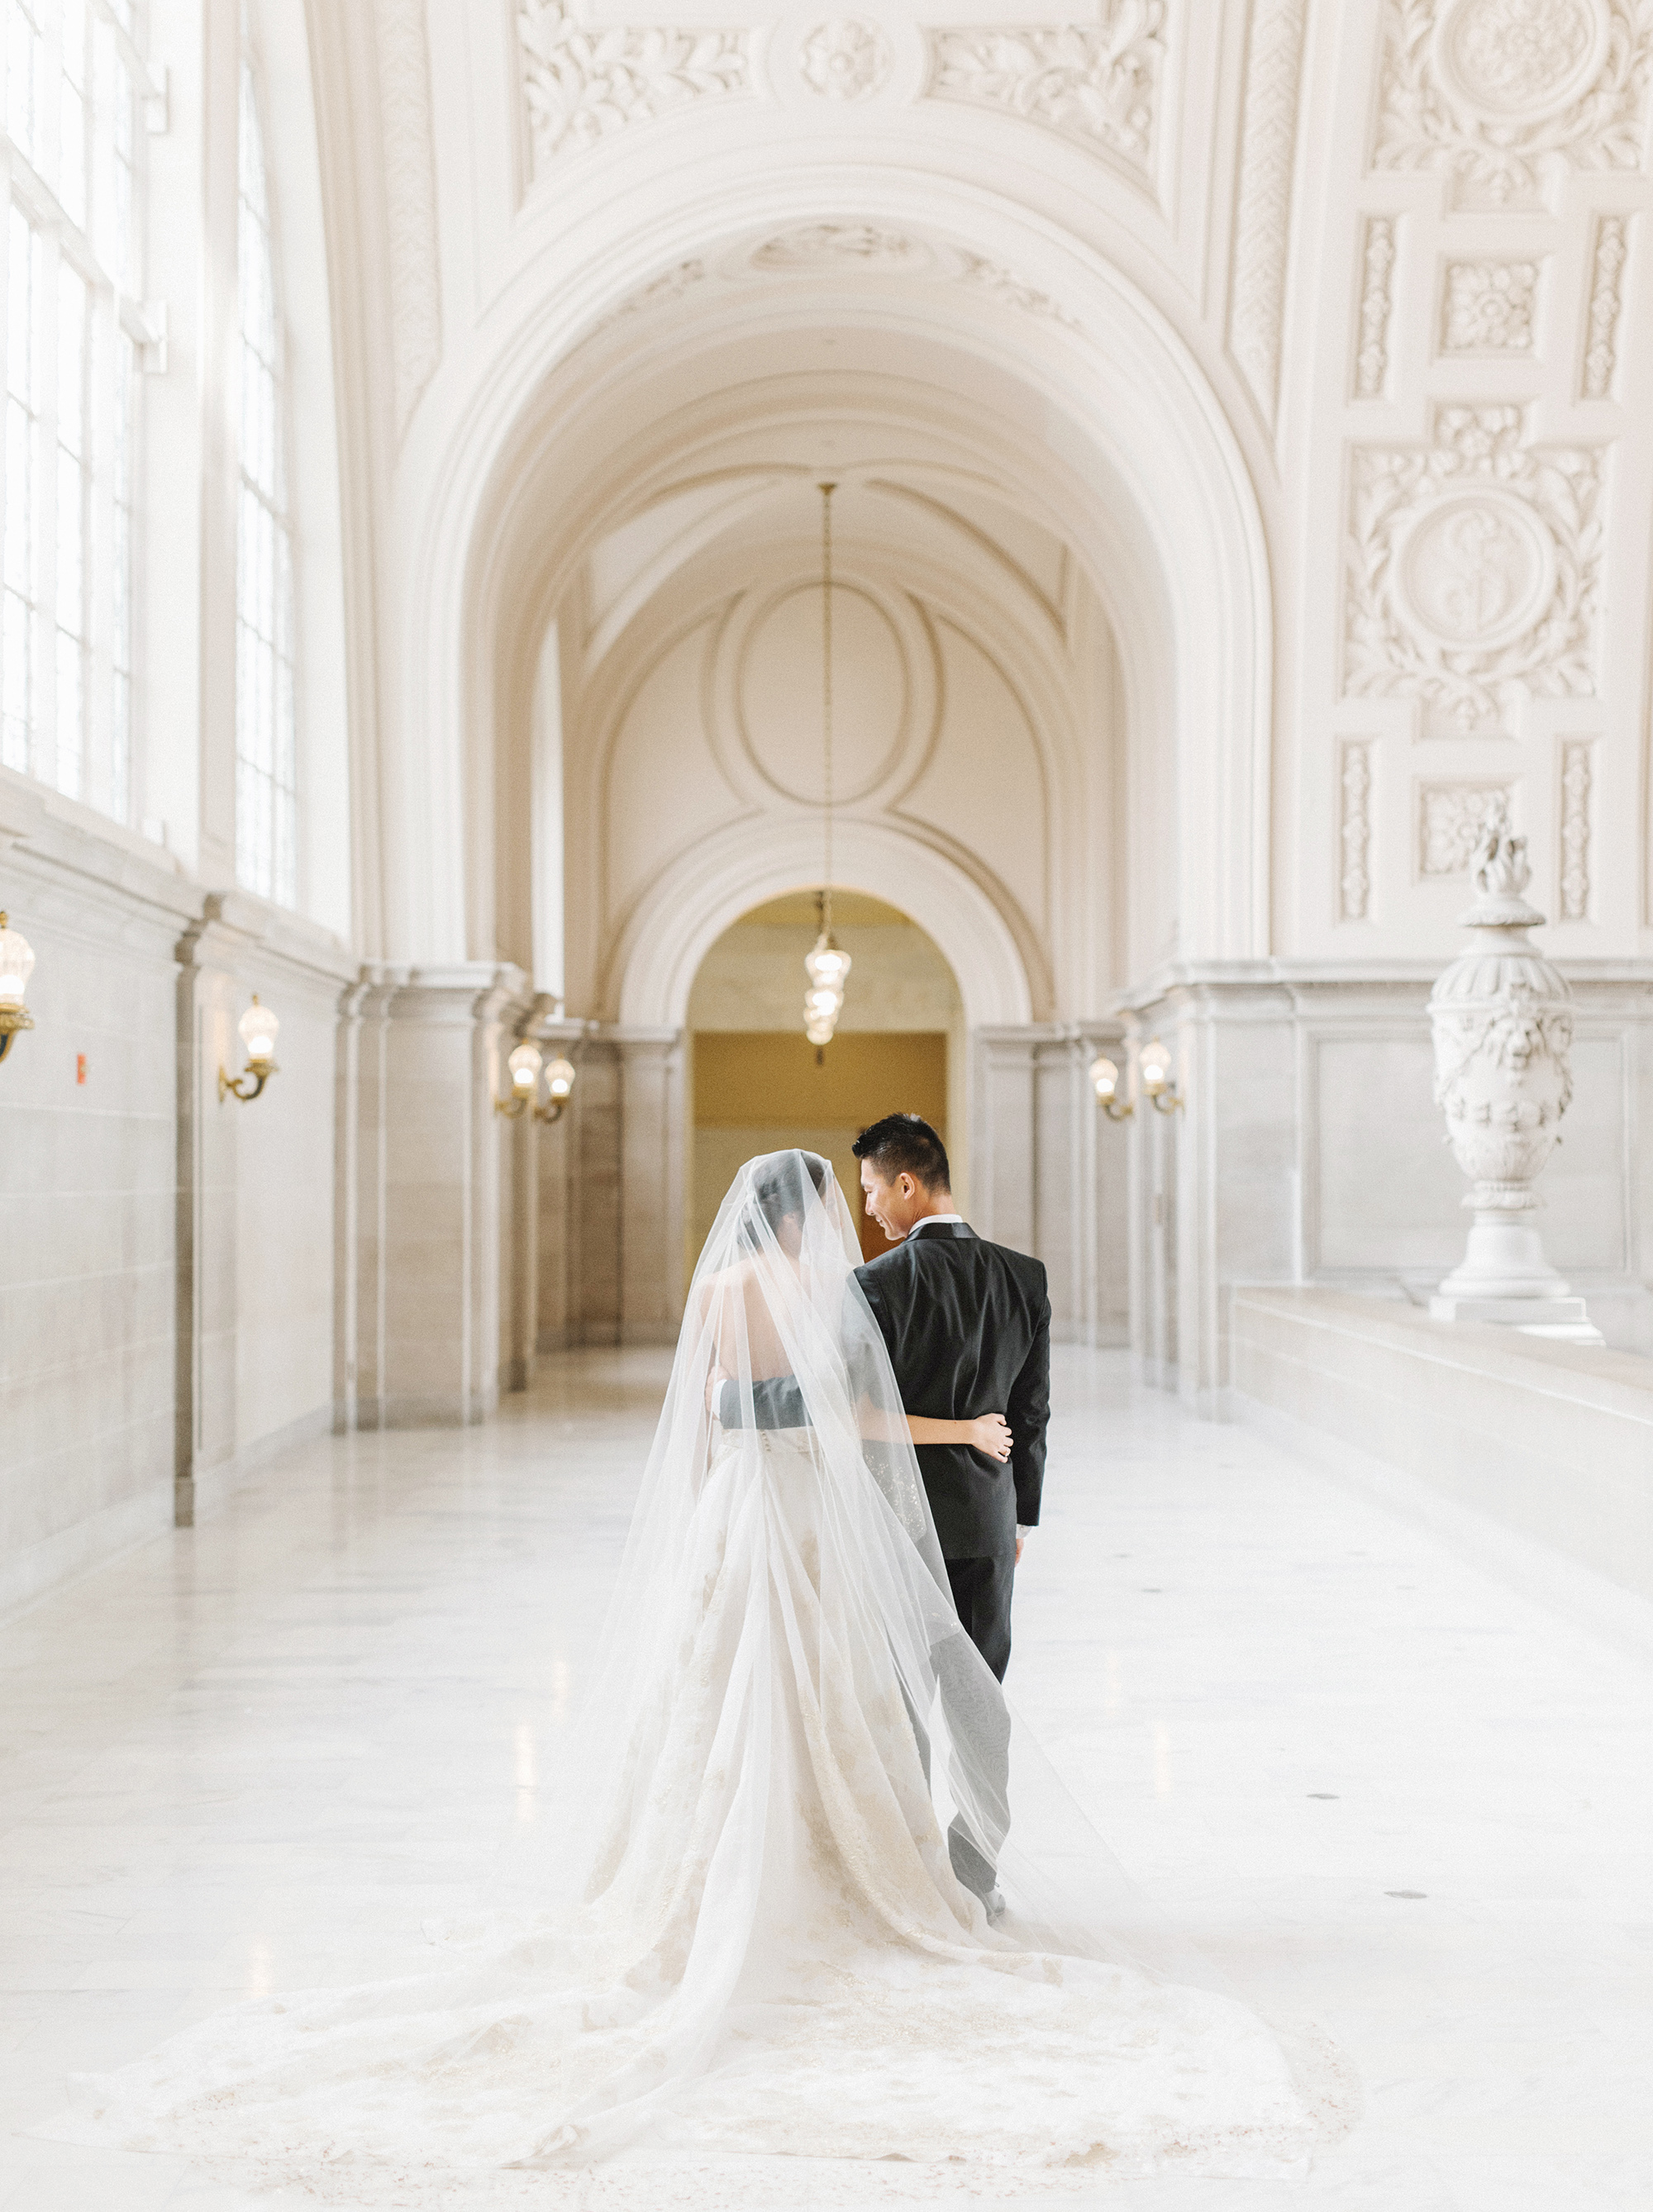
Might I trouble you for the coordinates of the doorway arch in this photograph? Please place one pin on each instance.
(756, 1085)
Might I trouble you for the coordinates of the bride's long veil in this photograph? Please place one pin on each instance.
(778, 1342)
(782, 1465)
(744, 1931)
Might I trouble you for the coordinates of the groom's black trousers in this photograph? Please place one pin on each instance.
(981, 1592)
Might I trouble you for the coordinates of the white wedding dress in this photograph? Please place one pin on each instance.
(750, 1943)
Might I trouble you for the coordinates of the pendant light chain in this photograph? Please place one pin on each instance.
(827, 490)
(826, 964)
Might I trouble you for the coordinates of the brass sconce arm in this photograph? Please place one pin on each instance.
(13, 1020)
(260, 1072)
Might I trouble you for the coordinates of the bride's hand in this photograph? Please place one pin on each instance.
(991, 1434)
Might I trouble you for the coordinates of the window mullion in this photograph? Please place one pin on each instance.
(102, 356)
(46, 508)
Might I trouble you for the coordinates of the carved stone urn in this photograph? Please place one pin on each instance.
(1502, 1018)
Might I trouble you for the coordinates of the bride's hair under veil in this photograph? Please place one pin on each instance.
(743, 1934)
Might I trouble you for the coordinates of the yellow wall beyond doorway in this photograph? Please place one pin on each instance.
(757, 1091)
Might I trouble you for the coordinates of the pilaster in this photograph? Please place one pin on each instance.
(432, 1260)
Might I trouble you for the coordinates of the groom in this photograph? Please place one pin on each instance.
(967, 1325)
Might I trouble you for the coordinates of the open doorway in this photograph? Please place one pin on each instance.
(758, 1084)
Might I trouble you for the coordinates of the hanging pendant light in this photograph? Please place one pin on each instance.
(825, 964)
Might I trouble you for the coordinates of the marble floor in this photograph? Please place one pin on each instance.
(1392, 1785)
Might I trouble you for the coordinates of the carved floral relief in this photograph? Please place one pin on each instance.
(1354, 826)
(1096, 83)
(844, 58)
(1506, 96)
(1452, 820)
(581, 84)
(1607, 277)
(1575, 780)
(1372, 364)
(1473, 569)
(1488, 307)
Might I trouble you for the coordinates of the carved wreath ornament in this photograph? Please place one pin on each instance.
(1473, 568)
(1503, 93)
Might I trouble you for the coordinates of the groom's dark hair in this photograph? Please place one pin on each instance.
(902, 1143)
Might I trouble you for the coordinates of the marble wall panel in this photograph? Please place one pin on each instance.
(285, 1227)
(87, 1182)
(1384, 1190)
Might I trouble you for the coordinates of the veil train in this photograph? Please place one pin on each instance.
(744, 1937)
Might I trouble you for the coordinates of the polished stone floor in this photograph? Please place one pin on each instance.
(1393, 1783)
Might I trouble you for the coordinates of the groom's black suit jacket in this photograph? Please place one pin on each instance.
(968, 1328)
(967, 1325)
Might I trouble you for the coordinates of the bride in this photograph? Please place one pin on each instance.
(747, 1940)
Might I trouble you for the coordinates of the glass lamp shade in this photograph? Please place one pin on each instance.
(818, 1032)
(525, 1065)
(822, 1006)
(258, 1027)
(826, 967)
(1155, 1068)
(559, 1078)
(17, 965)
(1104, 1077)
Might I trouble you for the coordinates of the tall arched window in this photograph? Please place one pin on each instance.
(75, 76)
(266, 737)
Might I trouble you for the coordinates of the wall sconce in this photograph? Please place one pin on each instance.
(1104, 1076)
(1154, 1065)
(259, 1027)
(524, 1064)
(16, 966)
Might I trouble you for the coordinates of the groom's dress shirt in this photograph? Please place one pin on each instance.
(967, 1326)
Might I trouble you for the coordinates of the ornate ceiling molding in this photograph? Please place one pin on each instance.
(1263, 219)
(835, 249)
(582, 85)
(817, 246)
(1371, 365)
(411, 199)
(1607, 276)
(1473, 569)
(1507, 95)
(1487, 305)
(1099, 84)
(845, 60)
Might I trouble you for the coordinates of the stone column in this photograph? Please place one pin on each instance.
(653, 1147)
(1502, 1018)
(551, 1192)
(1002, 1140)
(431, 1330)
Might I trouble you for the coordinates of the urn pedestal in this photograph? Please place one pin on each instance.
(1502, 1019)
